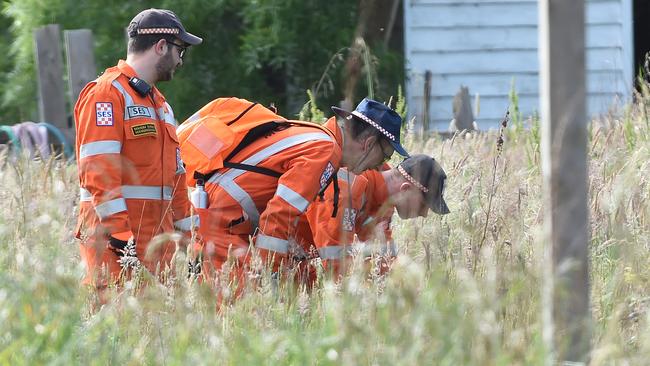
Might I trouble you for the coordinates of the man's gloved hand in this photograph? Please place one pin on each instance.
(125, 250)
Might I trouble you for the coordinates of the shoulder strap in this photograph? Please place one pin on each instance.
(255, 133)
(252, 168)
(321, 194)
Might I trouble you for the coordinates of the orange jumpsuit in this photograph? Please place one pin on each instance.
(132, 179)
(244, 205)
(363, 209)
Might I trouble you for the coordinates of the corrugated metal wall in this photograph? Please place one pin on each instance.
(486, 44)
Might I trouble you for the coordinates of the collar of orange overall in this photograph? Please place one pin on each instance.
(128, 71)
(336, 130)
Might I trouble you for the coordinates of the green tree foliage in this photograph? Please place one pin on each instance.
(263, 50)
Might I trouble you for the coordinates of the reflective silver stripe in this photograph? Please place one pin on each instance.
(194, 117)
(99, 147)
(147, 192)
(245, 201)
(169, 116)
(292, 197)
(367, 250)
(368, 221)
(332, 252)
(128, 102)
(135, 192)
(187, 223)
(346, 176)
(188, 122)
(271, 243)
(271, 150)
(111, 207)
(85, 195)
(386, 249)
(181, 169)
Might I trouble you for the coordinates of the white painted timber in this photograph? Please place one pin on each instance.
(486, 44)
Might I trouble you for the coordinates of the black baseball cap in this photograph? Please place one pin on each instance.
(161, 21)
(426, 172)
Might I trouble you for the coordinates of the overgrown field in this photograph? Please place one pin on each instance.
(461, 293)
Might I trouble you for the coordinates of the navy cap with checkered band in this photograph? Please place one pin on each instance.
(161, 21)
(386, 120)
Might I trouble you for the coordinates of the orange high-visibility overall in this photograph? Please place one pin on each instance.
(248, 207)
(132, 179)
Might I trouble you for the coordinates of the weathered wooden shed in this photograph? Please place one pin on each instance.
(487, 45)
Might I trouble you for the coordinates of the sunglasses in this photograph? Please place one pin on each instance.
(386, 155)
(182, 49)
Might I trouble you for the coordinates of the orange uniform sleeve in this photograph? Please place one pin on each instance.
(333, 236)
(374, 221)
(305, 174)
(99, 119)
(181, 212)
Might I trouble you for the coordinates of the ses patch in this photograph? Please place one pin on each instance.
(327, 174)
(144, 129)
(135, 111)
(104, 113)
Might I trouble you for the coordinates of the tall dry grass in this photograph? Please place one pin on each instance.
(465, 291)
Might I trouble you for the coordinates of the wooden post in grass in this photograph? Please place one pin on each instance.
(426, 110)
(79, 47)
(567, 315)
(81, 60)
(51, 89)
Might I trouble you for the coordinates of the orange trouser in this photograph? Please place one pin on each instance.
(230, 269)
(103, 269)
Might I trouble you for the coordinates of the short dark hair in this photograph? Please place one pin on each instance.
(361, 129)
(141, 43)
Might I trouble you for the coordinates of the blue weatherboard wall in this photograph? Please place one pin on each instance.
(484, 44)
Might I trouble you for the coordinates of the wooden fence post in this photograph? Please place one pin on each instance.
(566, 307)
(81, 60)
(51, 89)
(427, 105)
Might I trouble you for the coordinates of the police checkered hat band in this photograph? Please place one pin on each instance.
(158, 31)
(374, 124)
(412, 180)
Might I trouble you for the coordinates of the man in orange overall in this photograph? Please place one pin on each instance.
(367, 203)
(131, 176)
(244, 204)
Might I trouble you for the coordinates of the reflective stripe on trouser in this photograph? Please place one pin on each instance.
(367, 250)
(187, 223)
(272, 244)
(136, 192)
(111, 207)
(227, 180)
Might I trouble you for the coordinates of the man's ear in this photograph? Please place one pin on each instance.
(405, 186)
(368, 142)
(161, 46)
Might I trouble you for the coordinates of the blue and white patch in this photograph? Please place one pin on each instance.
(135, 111)
(104, 113)
(327, 174)
(349, 218)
